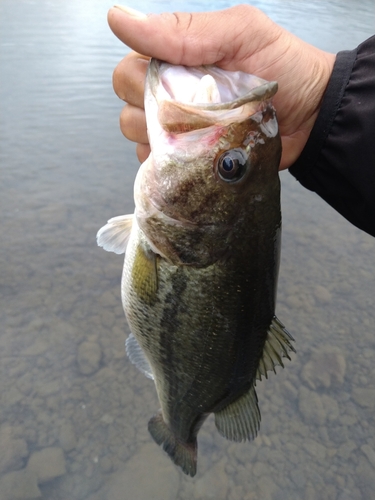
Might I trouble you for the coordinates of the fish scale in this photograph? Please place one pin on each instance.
(202, 256)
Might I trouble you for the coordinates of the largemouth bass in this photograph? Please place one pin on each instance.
(202, 253)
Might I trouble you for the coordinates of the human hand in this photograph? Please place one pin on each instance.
(241, 38)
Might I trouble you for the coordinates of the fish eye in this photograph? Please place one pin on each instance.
(232, 165)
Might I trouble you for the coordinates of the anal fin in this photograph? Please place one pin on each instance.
(183, 454)
(137, 356)
(240, 420)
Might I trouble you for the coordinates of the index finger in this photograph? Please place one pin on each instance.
(129, 78)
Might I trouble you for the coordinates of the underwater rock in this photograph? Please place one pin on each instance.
(47, 464)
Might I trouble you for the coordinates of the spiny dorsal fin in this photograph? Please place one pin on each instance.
(240, 420)
(114, 236)
(277, 346)
(137, 356)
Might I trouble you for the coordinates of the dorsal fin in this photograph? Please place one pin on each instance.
(114, 236)
(137, 356)
(277, 346)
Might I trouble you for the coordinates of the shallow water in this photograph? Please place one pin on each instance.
(73, 411)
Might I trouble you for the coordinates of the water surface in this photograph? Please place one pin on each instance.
(73, 411)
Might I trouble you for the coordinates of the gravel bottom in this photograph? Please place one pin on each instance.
(74, 411)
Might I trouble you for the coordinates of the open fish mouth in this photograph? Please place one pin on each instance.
(207, 95)
(207, 86)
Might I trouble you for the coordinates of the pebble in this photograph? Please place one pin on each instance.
(298, 477)
(214, 483)
(366, 477)
(49, 388)
(243, 452)
(11, 397)
(289, 390)
(67, 437)
(315, 449)
(47, 464)
(19, 485)
(89, 356)
(370, 453)
(107, 419)
(346, 449)
(311, 407)
(106, 464)
(297, 301)
(325, 368)
(322, 294)
(331, 407)
(13, 450)
(109, 299)
(365, 397)
(260, 469)
(267, 488)
(108, 319)
(148, 474)
(37, 348)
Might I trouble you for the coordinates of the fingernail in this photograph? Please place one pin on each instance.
(131, 12)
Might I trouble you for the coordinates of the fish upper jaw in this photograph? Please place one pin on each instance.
(186, 106)
(205, 87)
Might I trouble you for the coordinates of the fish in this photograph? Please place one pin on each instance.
(202, 253)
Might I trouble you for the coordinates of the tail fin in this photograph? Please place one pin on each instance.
(182, 454)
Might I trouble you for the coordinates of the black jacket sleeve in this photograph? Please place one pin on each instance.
(338, 161)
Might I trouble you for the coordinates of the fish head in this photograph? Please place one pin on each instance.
(215, 152)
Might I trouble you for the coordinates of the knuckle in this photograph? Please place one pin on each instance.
(125, 123)
(133, 124)
(117, 82)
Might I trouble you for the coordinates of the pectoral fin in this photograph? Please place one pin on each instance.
(240, 420)
(277, 346)
(137, 356)
(114, 236)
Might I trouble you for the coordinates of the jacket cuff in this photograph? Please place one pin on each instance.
(338, 161)
(334, 93)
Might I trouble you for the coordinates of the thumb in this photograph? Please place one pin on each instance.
(189, 39)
